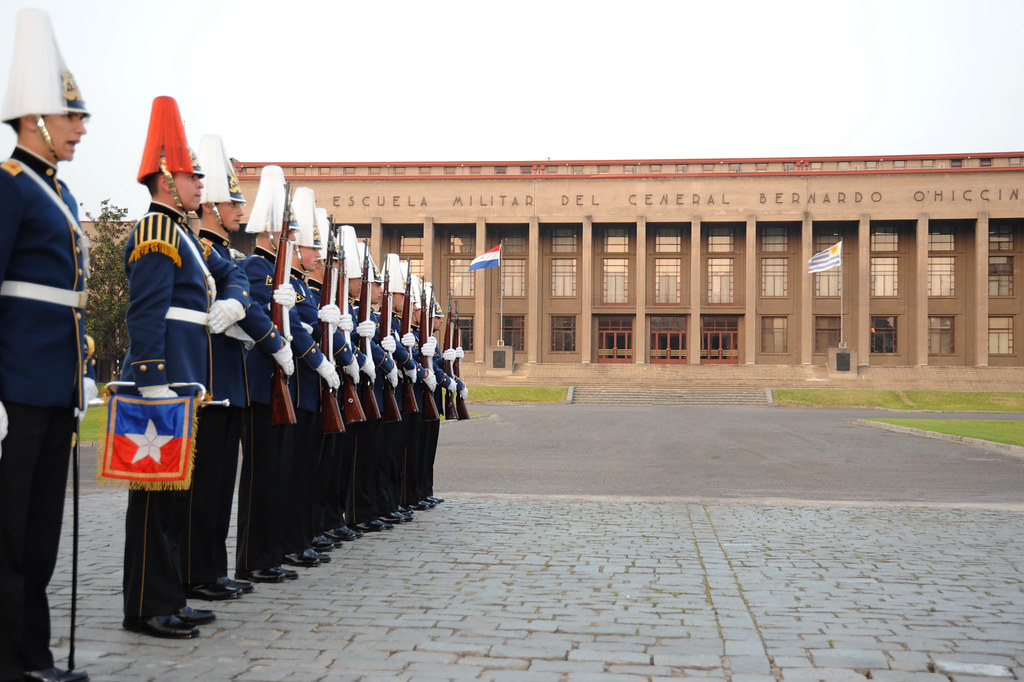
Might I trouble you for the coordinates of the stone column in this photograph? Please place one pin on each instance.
(806, 280)
(588, 270)
(918, 354)
(696, 294)
(533, 280)
(640, 291)
(377, 243)
(751, 289)
(862, 315)
(488, 337)
(980, 296)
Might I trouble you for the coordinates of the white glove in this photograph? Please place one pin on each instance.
(431, 381)
(284, 296)
(451, 385)
(368, 369)
(326, 370)
(449, 355)
(352, 369)
(89, 392)
(464, 393)
(223, 313)
(158, 391)
(366, 329)
(392, 377)
(429, 349)
(409, 340)
(459, 353)
(3, 425)
(410, 374)
(285, 358)
(388, 343)
(331, 314)
(346, 325)
(432, 340)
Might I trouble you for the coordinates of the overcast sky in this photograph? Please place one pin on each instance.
(533, 80)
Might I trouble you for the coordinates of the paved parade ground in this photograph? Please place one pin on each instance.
(628, 543)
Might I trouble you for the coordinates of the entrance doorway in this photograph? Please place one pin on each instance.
(614, 338)
(720, 340)
(668, 339)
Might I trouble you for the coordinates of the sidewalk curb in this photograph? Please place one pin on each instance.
(1002, 448)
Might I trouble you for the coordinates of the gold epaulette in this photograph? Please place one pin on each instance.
(155, 233)
(11, 166)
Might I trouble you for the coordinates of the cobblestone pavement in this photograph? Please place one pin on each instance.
(568, 588)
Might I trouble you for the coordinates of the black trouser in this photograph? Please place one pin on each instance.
(431, 431)
(260, 493)
(33, 483)
(362, 502)
(390, 446)
(297, 477)
(152, 553)
(411, 457)
(213, 487)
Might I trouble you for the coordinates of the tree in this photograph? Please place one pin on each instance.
(108, 289)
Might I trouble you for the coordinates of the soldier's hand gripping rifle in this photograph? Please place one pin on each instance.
(282, 411)
(351, 408)
(460, 403)
(330, 414)
(449, 395)
(369, 401)
(405, 326)
(391, 413)
(430, 413)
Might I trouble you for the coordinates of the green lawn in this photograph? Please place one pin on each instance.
(1009, 432)
(936, 401)
(517, 394)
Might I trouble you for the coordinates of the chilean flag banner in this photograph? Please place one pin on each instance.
(487, 259)
(150, 443)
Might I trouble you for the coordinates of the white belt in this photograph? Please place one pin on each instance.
(187, 315)
(41, 292)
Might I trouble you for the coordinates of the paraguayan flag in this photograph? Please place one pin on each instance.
(827, 259)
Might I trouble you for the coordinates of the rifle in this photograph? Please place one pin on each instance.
(330, 414)
(460, 404)
(282, 411)
(409, 405)
(391, 411)
(449, 396)
(369, 402)
(350, 405)
(430, 413)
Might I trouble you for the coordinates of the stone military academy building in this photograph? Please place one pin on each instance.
(705, 261)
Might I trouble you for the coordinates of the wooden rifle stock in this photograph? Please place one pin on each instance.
(449, 396)
(460, 404)
(351, 408)
(368, 400)
(409, 405)
(282, 411)
(330, 414)
(391, 412)
(430, 413)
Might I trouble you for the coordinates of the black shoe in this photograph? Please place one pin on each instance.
(260, 575)
(235, 584)
(193, 616)
(56, 675)
(374, 526)
(342, 534)
(170, 627)
(434, 500)
(422, 505)
(355, 530)
(407, 514)
(393, 518)
(286, 573)
(304, 559)
(211, 591)
(324, 558)
(322, 543)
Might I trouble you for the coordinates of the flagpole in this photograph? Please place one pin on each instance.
(842, 293)
(501, 298)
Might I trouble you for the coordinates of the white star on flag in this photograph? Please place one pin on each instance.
(149, 443)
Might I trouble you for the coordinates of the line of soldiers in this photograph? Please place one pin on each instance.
(201, 313)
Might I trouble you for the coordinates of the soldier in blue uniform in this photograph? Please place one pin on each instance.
(43, 269)
(180, 291)
(219, 435)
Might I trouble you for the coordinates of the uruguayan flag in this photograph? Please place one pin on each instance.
(827, 259)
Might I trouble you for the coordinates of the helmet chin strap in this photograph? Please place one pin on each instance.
(41, 124)
(170, 181)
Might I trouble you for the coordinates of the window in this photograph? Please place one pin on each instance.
(398, 170)
(668, 338)
(563, 240)
(720, 239)
(680, 168)
(941, 276)
(827, 332)
(885, 276)
(773, 238)
(826, 283)
(500, 170)
(616, 280)
(885, 239)
(474, 170)
(563, 277)
(774, 277)
(526, 170)
(883, 334)
(666, 280)
(513, 243)
(616, 240)
(563, 333)
(1000, 275)
(449, 170)
(668, 240)
(415, 265)
(513, 331)
(773, 334)
(940, 335)
(425, 170)
(460, 279)
(513, 277)
(956, 163)
(941, 239)
(465, 325)
(602, 168)
(410, 243)
(457, 245)
(720, 280)
(629, 168)
(1000, 335)
(1000, 238)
